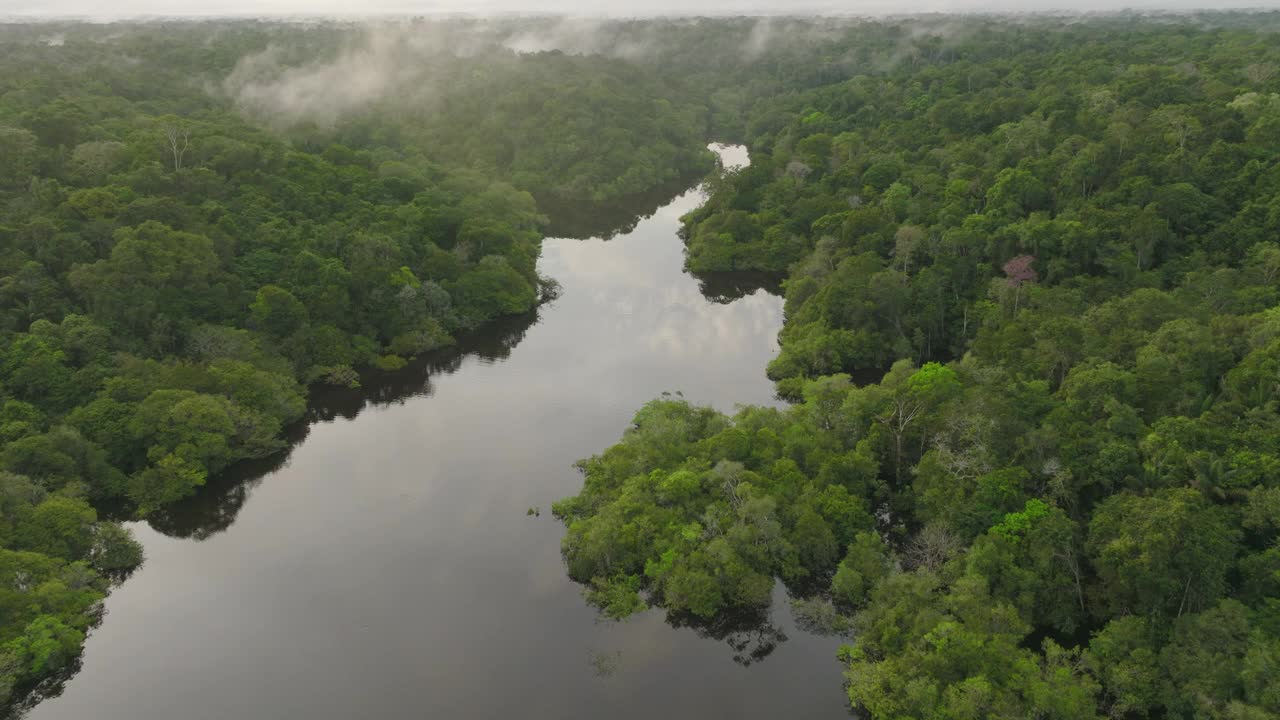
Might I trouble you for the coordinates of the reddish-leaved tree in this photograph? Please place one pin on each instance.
(1019, 270)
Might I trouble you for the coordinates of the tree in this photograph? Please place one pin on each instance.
(1179, 125)
(864, 565)
(60, 527)
(1124, 657)
(1148, 233)
(1207, 661)
(18, 156)
(196, 427)
(1034, 558)
(46, 646)
(170, 478)
(957, 654)
(94, 161)
(114, 549)
(62, 457)
(277, 312)
(918, 393)
(1018, 272)
(153, 271)
(1165, 554)
(178, 140)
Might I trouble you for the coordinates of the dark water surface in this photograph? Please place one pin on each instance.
(386, 567)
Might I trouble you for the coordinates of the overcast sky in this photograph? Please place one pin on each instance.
(111, 9)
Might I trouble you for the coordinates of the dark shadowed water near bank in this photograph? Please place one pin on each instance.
(386, 568)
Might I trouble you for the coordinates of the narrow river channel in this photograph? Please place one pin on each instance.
(386, 566)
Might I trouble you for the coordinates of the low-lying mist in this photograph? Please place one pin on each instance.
(409, 62)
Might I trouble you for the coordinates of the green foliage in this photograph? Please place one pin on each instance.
(959, 657)
(1058, 238)
(46, 646)
(865, 564)
(1165, 553)
(54, 562)
(173, 271)
(896, 196)
(277, 312)
(58, 527)
(176, 265)
(1016, 525)
(699, 512)
(114, 549)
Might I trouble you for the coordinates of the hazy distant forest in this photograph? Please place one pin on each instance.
(1058, 240)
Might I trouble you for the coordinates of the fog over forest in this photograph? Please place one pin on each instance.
(135, 8)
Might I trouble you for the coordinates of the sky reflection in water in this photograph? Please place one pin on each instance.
(387, 567)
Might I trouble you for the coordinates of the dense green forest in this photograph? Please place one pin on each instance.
(182, 253)
(1054, 242)
(1063, 498)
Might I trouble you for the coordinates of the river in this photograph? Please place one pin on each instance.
(386, 567)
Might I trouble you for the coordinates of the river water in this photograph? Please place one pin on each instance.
(386, 567)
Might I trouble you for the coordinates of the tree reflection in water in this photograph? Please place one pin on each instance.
(215, 507)
(727, 287)
(750, 634)
(580, 221)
